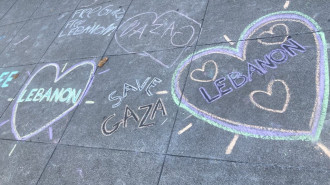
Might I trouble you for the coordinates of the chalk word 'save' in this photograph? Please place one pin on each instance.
(139, 87)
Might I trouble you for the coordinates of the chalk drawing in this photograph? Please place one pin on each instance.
(50, 132)
(64, 67)
(323, 148)
(15, 44)
(231, 145)
(185, 129)
(139, 87)
(57, 78)
(6, 77)
(286, 4)
(318, 111)
(228, 40)
(80, 173)
(67, 95)
(89, 4)
(130, 114)
(104, 71)
(261, 67)
(164, 121)
(215, 67)
(171, 28)
(271, 32)
(269, 93)
(80, 24)
(12, 150)
(89, 102)
(188, 117)
(161, 92)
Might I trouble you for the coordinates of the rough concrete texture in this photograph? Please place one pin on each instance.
(193, 92)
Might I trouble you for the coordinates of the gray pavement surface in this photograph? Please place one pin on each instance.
(193, 92)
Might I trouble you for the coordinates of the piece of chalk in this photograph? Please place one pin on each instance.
(102, 62)
(15, 76)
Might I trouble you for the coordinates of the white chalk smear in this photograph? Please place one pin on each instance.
(185, 129)
(231, 144)
(12, 150)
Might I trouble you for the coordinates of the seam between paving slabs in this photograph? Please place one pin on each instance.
(128, 7)
(94, 71)
(35, 68)
(201, 158)
(257, 38)
(25, 21)
(277, 165)
(30, 17)
(178, 107)
(8, 10)
(123, 54)
(78, 104)
(35, 64)
(93, 75)
(16, 66)
(14, 36)
(176, 155)
(36, 18)
(166, 49)
(96, 4)
(17, 91)
(174, 119)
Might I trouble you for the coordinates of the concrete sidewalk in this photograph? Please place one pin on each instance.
(193, 92)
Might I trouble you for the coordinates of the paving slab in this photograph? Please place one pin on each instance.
(5, 5)
(7, 33)
(179, 170)
(78, 165)
(158, 26)
(230, 19)
(275, 104)
(22, 10)
(32, 41)
(51, 94)
(193, 92)
(142, 99)
(23, 162)
(87, 33)
(51, 7)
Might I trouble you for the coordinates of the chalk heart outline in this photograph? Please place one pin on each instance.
(57, 78)
(271, 32)
(321, 76)
(154, 23)
(269, 92)
(203, 69)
